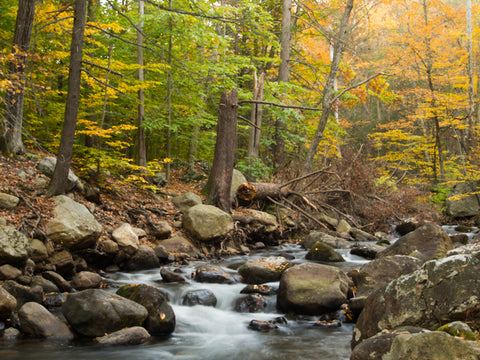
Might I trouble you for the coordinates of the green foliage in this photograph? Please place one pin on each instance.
(439, 195)
(254, 169)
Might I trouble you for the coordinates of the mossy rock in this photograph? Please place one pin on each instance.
(322, 252)
(458, 328)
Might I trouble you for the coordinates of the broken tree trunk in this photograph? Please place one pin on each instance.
(261, 191)
(220, 179)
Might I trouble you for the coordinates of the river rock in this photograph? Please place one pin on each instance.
(313, 289)
(14, 246)
(459, 329)
(161, 318)
(47, 166)
(435, 345)
(46, 285)
(380, 272)
(62, 284)
(37, 321)
(315, 236)
(213, 274)
(406, 226)
(130, 336)
(251, 303)
(126, 238)
(143, 259)
(463, 199)
(186, 201)
(73, 226)
(429, 241)
(22, 293)
(377, 346)
(162, 253)
(437, 293)
(322, 252)
(367, 251)
(179, 245)
(172, 276)
(9, 272)
(63, 262)
(162, 230)
(259, 289)
(86, 280)
(262, 325)
(8, 303)
(38, 251)
(95, 312)
(11, 334)
(8, 201)
(263, 270)
(200, 297)
(207, 222)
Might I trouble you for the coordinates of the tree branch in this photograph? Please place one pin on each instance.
(359, 84)
(278, 105)
(102, 67)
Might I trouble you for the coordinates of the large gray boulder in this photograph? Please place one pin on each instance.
(379, 272)
(161, 318)
(14, 246)
(47, 166)
(263, 270)
(145, 258)
(179, 245)
(435, 345)
(428, 242)
(463, 199)
(73, 226)
(313, 289)
(36, 321)
(96, 312)
(207, 222)
(437, 293)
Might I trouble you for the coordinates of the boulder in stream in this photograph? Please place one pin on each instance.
(263, 270)
(161, 318)
(428, 242)
(95, 312)
(14, 246)
(322, 252)
(203, 297)
(313, 289)
(213, 274)
(36, 321)
(437, 293)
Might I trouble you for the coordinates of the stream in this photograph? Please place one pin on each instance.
(211, 333)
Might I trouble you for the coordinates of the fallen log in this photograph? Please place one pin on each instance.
(261, 191)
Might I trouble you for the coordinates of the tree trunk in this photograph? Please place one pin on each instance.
(327, 100)
(220, 179)
(256, 118)
(283, 76)
(13, 117)
(260, 191)
(142, 149)
(59, 178)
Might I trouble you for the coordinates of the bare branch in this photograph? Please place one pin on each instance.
(359, 84)
(102, 67)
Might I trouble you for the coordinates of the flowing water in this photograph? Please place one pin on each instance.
(211, 333)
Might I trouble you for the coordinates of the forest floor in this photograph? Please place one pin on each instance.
(350, 197)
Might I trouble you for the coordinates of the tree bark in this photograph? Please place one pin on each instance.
(328, 95)
(283, 76)
(220, 179)
(142, 149)
(256, 118)
(260, 191)
(12, 126)
(58, 182)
